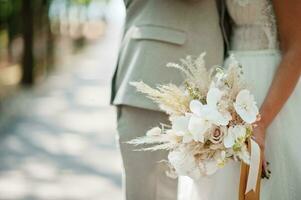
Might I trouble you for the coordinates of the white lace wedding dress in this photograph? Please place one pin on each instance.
(254, 44)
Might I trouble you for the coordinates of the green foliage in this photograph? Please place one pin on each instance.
(5, 9)
(9, 8)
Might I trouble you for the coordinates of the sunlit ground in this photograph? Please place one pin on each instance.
(58, 140)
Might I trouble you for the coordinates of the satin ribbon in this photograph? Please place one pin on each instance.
(254, 167)
(250, 174)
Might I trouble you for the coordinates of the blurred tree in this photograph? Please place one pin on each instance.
(26, 36)
(10, 20)
(38, 40)
(28, 60)
(5, 11)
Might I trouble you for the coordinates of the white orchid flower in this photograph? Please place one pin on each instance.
(180, 127)
(233, 134)
(246, 107)
(204, 116)
(198, 126)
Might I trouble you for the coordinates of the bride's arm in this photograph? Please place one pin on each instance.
(288, 16)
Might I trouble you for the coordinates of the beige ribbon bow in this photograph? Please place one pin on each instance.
(250, 175)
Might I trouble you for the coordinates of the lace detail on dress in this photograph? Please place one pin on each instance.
(254, 24)
(269, 25)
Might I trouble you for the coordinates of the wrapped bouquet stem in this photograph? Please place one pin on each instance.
(250, 175)
(212, 115)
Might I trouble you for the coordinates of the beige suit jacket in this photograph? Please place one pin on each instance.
(162, 31)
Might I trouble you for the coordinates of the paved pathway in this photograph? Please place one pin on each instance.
(57, 141)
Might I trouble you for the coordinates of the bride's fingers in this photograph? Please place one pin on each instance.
(266, 173)
(264, 168)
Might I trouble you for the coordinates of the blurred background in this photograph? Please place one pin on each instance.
(57, 129)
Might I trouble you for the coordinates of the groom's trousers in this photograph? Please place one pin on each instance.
(144, 175)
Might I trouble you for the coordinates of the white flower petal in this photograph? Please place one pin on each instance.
(213, 96)
(213, 115)
(245, 106)
(227, 115)
(243, 95)
(219, 119)
(206, 112)
(238, 131)
(180, 125)
(187, 138)
(229, 140)
(247, 115)
(198, 126)
(195, 106)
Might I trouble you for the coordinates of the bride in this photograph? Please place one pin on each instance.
(266, 40)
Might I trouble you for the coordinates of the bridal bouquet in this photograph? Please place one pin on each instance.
(212, 117)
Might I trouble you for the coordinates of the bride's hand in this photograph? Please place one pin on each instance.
(259, 136)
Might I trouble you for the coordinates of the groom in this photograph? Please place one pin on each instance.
(157, 32)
